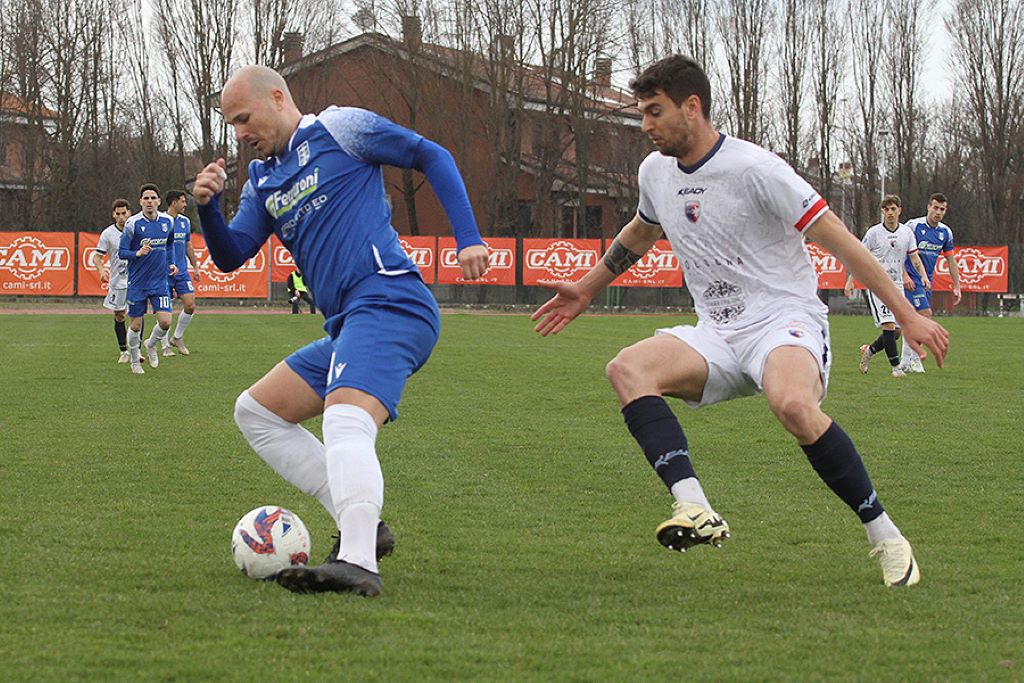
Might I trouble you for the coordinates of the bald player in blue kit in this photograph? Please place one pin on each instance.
(321, 191)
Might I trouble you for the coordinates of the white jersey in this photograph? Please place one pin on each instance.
(891, 248)
(736, 221)
(110, 244)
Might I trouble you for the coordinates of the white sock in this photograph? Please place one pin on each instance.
(357, 484)
(166, 341)
(909, 355)
(134, 342)
(183, 320)
(288, 448)
(881, 528)
(689, 491)
(157, 335)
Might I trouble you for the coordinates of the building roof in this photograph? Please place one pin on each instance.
(11, 104)
(539, 85)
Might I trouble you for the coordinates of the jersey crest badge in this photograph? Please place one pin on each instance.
(303, 151)
(693, 211)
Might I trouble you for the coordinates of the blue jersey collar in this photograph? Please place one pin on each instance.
(705, 159)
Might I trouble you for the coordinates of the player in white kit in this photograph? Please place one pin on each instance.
(115, 274)
(736, 216)
(892, 243)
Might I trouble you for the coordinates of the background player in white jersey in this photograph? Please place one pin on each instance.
(181, 285)
(115, 274)
(736, 216)
(891, 243)
(145, 245)
(934, 239)
(321, 191)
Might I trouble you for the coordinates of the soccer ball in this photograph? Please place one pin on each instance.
(267, 540)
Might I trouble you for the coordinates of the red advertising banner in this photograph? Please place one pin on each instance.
(247, 282)
(88, 278)
(37, 263)
(422, 250)
(281, 262)
(558, 260)
(502, 257)
(659, 267)
(982, 269)
(831, 272)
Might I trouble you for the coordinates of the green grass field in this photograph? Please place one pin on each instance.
(524, 514)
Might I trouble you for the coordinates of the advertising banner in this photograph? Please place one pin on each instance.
(502, 262)
(89, 279)
(249, 281)
(558, 260)
(982, 269)
(422, 250)
(37, 263)
(281, 262)
(831, 272)
(659, 267)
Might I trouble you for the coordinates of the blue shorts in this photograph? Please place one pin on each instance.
(160, 297)
(375, 346)
(180, 284)
(921, 298)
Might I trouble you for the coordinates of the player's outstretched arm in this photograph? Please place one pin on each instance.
(572, 298)
(829, 232)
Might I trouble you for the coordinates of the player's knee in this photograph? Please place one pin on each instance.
(620, 371)
(797, 415)
(252, 418)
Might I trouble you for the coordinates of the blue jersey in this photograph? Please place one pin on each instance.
(182, 237)
(149, 271)
(324, 198)
(931, 243)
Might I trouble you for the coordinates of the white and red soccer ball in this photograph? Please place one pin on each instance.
(267, 540)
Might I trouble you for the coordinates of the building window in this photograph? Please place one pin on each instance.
(595, 217)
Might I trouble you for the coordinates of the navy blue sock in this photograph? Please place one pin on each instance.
(878, 344)
(122, 335)
(834, 457)
(655, 427)
(889, 340)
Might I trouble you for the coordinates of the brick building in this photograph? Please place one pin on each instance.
(23, 143)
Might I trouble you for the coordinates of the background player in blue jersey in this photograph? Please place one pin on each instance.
(145, 245)
(321, 191)
(933, 239)
(181, 284)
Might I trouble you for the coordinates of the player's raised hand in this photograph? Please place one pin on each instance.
(473, 260)
(568, 302)
(920, 332)
(209, 182)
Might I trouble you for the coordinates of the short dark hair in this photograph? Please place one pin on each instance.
(678, 77)
(891, 199)
(938, 197)
(118, 203)
(149, 186)
(173, 196)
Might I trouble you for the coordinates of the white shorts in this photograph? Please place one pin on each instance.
(116, 299)
(736, 358)
(879, 311)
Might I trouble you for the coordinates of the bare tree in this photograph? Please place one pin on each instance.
(867, 22)
(903, 68)
(795, 20)
(828, 75)
(745, 26)
(988, 58)
(203, 58)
